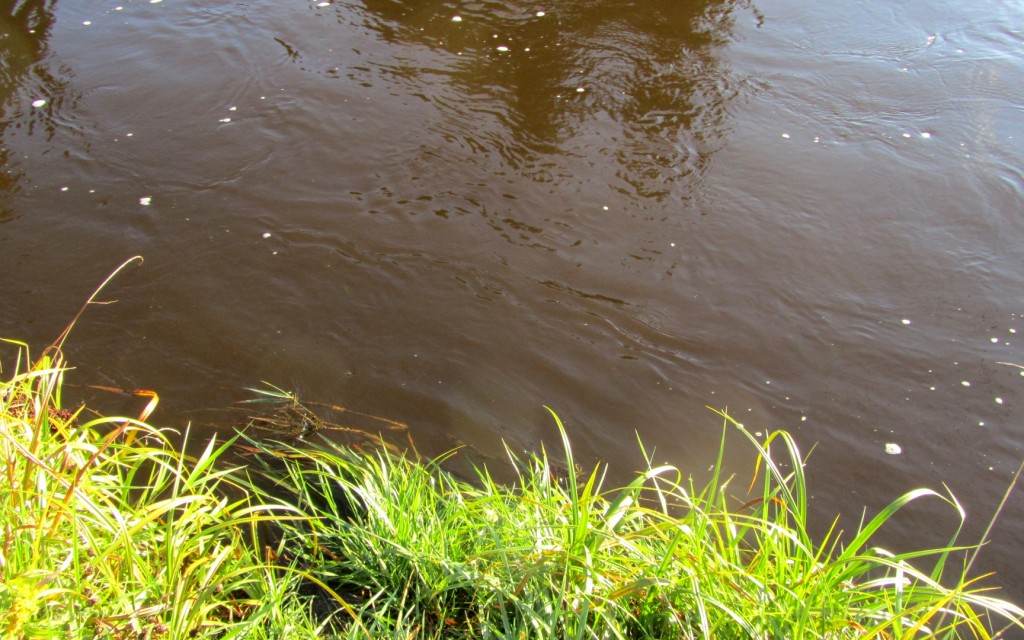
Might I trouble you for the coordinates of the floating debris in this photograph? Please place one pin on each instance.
(39, 103)
(893, 449)
(146, 201)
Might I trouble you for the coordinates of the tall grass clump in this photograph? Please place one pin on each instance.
(403, 549)
(108, 530)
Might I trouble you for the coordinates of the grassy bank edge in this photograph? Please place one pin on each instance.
(109, 530)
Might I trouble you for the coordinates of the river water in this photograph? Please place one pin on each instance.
(452, 213)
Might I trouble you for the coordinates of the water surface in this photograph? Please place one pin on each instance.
(452, 213)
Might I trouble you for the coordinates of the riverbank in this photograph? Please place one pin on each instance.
(110, 530)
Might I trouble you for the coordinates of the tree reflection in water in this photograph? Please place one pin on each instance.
(643, 83)
(25, 77)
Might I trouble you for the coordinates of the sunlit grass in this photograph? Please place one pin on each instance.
(109, 530)
(412, 551)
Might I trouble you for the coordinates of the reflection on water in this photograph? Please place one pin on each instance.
(24, 29)
(648, 83)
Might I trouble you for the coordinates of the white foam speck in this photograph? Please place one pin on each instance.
(905, 321)
(906, 135)
(266, 234)
(999, 401)
(323, 4)
(539, 14)
(232, 108)
(39, 103)
(925, 134)
(155, 1)
(981, 424)
(118, 8)
(786, 136)
(1013, 331)
(965, 383)
(893, 449)
(994, 340)
(146, 201)
(502, 48)
(803, 418)
(129, 134)
(931, 388)
(580, 89)
(605, 207)
(87, 22)
(225, 120)
(63, 188)
(456, 18)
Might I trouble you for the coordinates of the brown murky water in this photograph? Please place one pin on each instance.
(452, 213)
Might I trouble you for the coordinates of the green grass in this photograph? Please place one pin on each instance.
(413, 552)
(108, 529)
